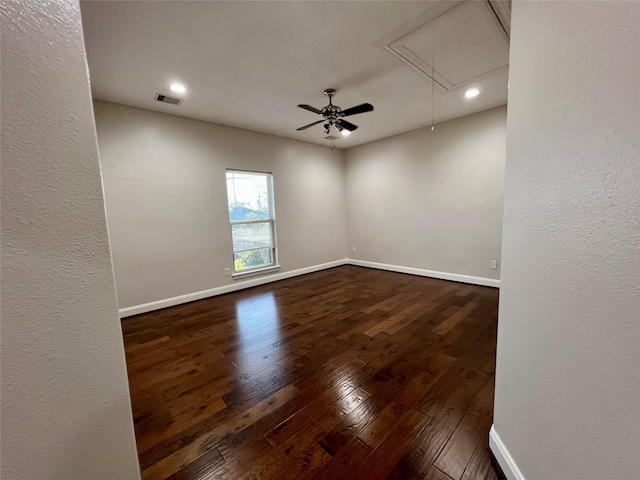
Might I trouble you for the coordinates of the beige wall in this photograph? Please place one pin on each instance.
(427, 200)
(430, 199)
(567, 401)
(165, 189)
(66, 411)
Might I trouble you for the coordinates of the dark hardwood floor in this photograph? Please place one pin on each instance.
(347, 373)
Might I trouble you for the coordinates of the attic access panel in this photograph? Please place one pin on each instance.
(470, 44)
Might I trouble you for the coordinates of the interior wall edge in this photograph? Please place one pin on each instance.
(65, 401)
(431, 200)
(255, 282)
(234, 287)
(503, 457)
(454, 277)
(167, 204)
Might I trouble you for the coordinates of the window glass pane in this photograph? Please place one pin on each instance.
(248, 196)
(253, 258)
(251, 235)
(252, 219)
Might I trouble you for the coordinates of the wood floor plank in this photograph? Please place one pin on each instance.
(456, 454)
(421, 454)
(383, 458)
(307, 463)
(343, 464)
(247, 446)
(290, 427)
(205, 436)
(375, 432)
(347, 373)
(341, 425)
(273, 463)
(480, 466)
(239, 458)
(191, 414)
(452, 320)
(436, 474)
(201, 467)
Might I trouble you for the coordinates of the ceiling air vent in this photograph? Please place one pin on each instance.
(331, 137)
(167, 99)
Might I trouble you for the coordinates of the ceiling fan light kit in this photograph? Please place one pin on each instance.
(333, 115)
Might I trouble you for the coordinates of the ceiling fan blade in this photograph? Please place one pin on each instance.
(311, 109)
(346, 125)
(365, 107)
(310, 125)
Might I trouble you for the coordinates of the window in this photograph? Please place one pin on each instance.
(251, 213)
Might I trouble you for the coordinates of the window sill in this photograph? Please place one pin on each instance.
(259, 271)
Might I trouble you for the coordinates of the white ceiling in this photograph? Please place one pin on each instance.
(248, 64)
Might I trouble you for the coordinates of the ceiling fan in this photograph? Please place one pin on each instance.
(333, 115)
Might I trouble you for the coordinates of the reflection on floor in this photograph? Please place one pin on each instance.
(346, 373)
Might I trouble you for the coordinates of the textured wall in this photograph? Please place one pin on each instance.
(430, 200)
(65, 402)
(568, 372)
(165, 189)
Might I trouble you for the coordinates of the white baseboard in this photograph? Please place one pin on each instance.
(508, 466)
(486, 282)
(232, 287)
(255, 281)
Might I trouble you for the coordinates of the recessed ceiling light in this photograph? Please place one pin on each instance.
(345, 132)
(472, 92)
(178, 88)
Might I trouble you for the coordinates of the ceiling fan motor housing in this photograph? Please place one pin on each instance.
(331, 112)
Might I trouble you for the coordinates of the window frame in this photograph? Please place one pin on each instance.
(274, 265)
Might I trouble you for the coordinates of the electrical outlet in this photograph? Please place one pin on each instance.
(493, 264)
(227, 272)
(354, 250)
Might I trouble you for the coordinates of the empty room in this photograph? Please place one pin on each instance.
(320, 240)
